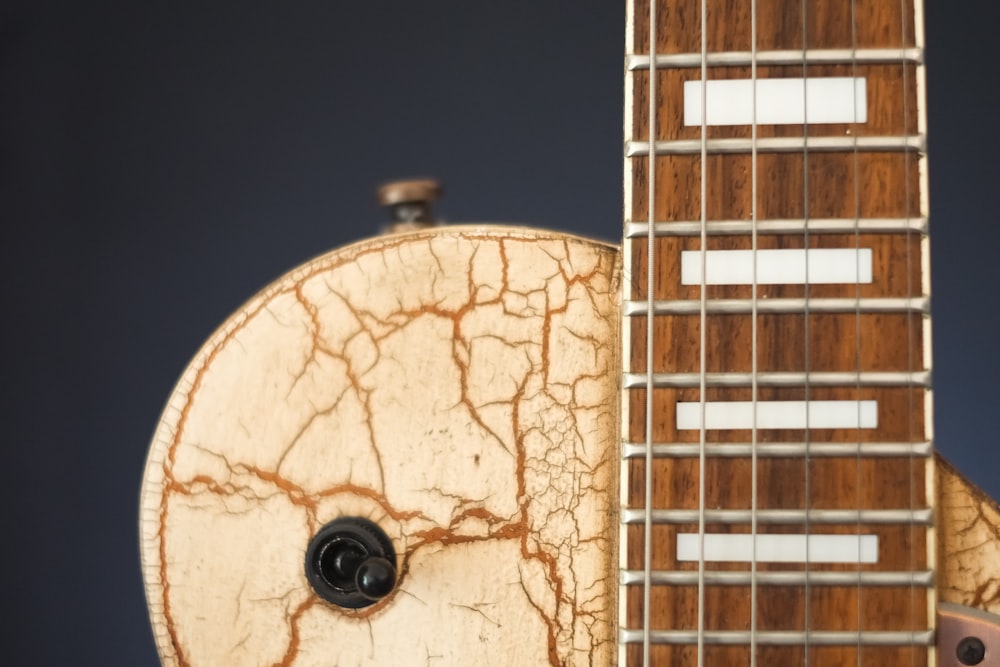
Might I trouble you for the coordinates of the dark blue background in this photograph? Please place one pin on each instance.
(160, 162)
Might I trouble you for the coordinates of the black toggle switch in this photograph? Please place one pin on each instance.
(351, 563)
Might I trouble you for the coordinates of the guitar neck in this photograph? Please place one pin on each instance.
(778, 477)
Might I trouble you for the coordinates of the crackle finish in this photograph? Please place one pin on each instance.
(969, 525)
(455, 386)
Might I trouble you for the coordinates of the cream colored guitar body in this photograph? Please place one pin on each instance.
(457, 387)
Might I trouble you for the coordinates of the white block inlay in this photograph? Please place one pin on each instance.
(815, 266)
(779, 101)
(728, 415)
(722, 547)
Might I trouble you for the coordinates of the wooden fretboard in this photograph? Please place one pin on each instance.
(777, 476)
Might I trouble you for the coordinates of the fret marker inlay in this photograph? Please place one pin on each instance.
(779, 101)
(779, 548)
(778, 267)
(730, 415)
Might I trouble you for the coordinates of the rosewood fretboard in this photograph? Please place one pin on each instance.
(778, 473)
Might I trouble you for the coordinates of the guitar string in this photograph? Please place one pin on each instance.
(857, 321)
(647, 550)
(702, 336)
(909, 320)
(753, 335)
(807, 463)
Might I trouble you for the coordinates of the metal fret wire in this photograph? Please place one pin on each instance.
(900, 143)
(819, 143)
(785, 378)
(784, 226)
(784, 305)
(702, 337)
(872, 56)
(650, 285)
(633, 450)
(924, 578)
(753, 333)
(899, 638)
(895, 515)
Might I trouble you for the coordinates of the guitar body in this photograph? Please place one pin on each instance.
(455, 386)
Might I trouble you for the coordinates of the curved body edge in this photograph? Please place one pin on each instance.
(458, 387)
